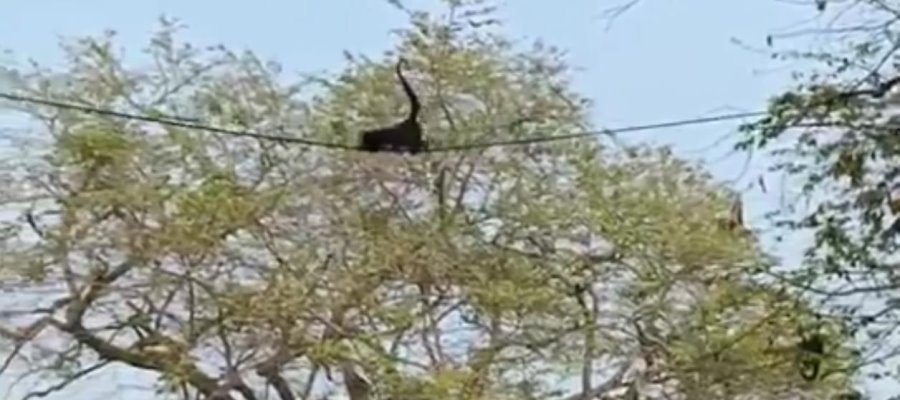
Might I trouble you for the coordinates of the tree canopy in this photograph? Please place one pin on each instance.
(231, 267)
(835, 134)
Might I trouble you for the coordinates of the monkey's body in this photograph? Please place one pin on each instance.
(810, 358)
(405, 136)
(402, 137)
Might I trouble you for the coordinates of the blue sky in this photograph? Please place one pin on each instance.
(662, 60)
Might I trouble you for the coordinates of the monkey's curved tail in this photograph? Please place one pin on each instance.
(413, 99)
(809, 370)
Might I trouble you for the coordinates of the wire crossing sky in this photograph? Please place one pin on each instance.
(188, 124)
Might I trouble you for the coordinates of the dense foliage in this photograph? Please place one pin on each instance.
(522, 272)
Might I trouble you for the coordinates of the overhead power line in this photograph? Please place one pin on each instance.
(170, 121)
(185, 123)
(611, 131)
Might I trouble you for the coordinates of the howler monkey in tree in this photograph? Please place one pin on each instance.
(811, 350)
(405, 136)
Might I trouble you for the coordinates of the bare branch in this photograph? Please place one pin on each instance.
(26, 335)
(358, 387)
(66, 382)
(613, 13)
(270, 370)
(143, 360)
(610, 384)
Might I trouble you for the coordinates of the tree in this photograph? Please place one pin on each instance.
(230, 266)
(836, 135)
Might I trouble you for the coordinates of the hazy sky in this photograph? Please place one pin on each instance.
(662, 60)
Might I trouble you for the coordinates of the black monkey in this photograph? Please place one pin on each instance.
(403, 136)
(811, 349)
